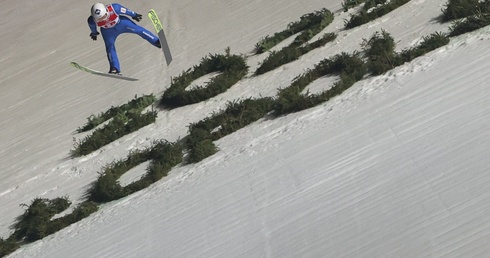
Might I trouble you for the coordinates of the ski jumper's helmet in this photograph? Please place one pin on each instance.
(99, 12)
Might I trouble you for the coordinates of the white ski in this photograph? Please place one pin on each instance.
(92, 71)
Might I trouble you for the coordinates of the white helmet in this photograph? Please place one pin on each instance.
(99, 12)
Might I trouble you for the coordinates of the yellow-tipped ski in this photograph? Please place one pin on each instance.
(163, 40)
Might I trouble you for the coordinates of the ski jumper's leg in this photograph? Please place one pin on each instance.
(131, 27)
(110, 36)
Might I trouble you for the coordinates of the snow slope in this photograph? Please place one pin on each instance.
(394, 167)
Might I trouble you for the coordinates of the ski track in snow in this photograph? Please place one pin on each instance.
(395, 166)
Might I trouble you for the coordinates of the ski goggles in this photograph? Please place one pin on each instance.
(103, 18)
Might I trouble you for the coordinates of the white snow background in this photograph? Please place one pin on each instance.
(397, 166)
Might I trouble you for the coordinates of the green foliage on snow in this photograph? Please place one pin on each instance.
(237, 115)
(457, 9)
(428, 43)
(348, 4)
(163, 156)
(469, 24)
(35, 223)
(381, 56)
(467, 15)
(349, 68)
(371, 13)
(38, 221)
(310, 24)
(124, 120)
(368, 4)
(136, 105)
(380, 53)
(232, 68)
(292, 53)
(8, 246)
(120, 125)
(80, 212)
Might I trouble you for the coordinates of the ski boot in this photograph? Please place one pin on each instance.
(114, 71)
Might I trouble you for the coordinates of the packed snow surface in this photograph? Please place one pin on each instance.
(397, 166)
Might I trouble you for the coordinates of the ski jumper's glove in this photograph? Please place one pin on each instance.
(93, 35)
(137, 17)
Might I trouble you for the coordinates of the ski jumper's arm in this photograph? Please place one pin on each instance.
(119, 9)
(92, 25)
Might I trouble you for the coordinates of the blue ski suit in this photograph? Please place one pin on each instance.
(115, 25)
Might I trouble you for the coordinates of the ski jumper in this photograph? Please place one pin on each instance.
(115, 25)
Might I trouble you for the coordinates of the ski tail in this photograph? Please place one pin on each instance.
(161, 35)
